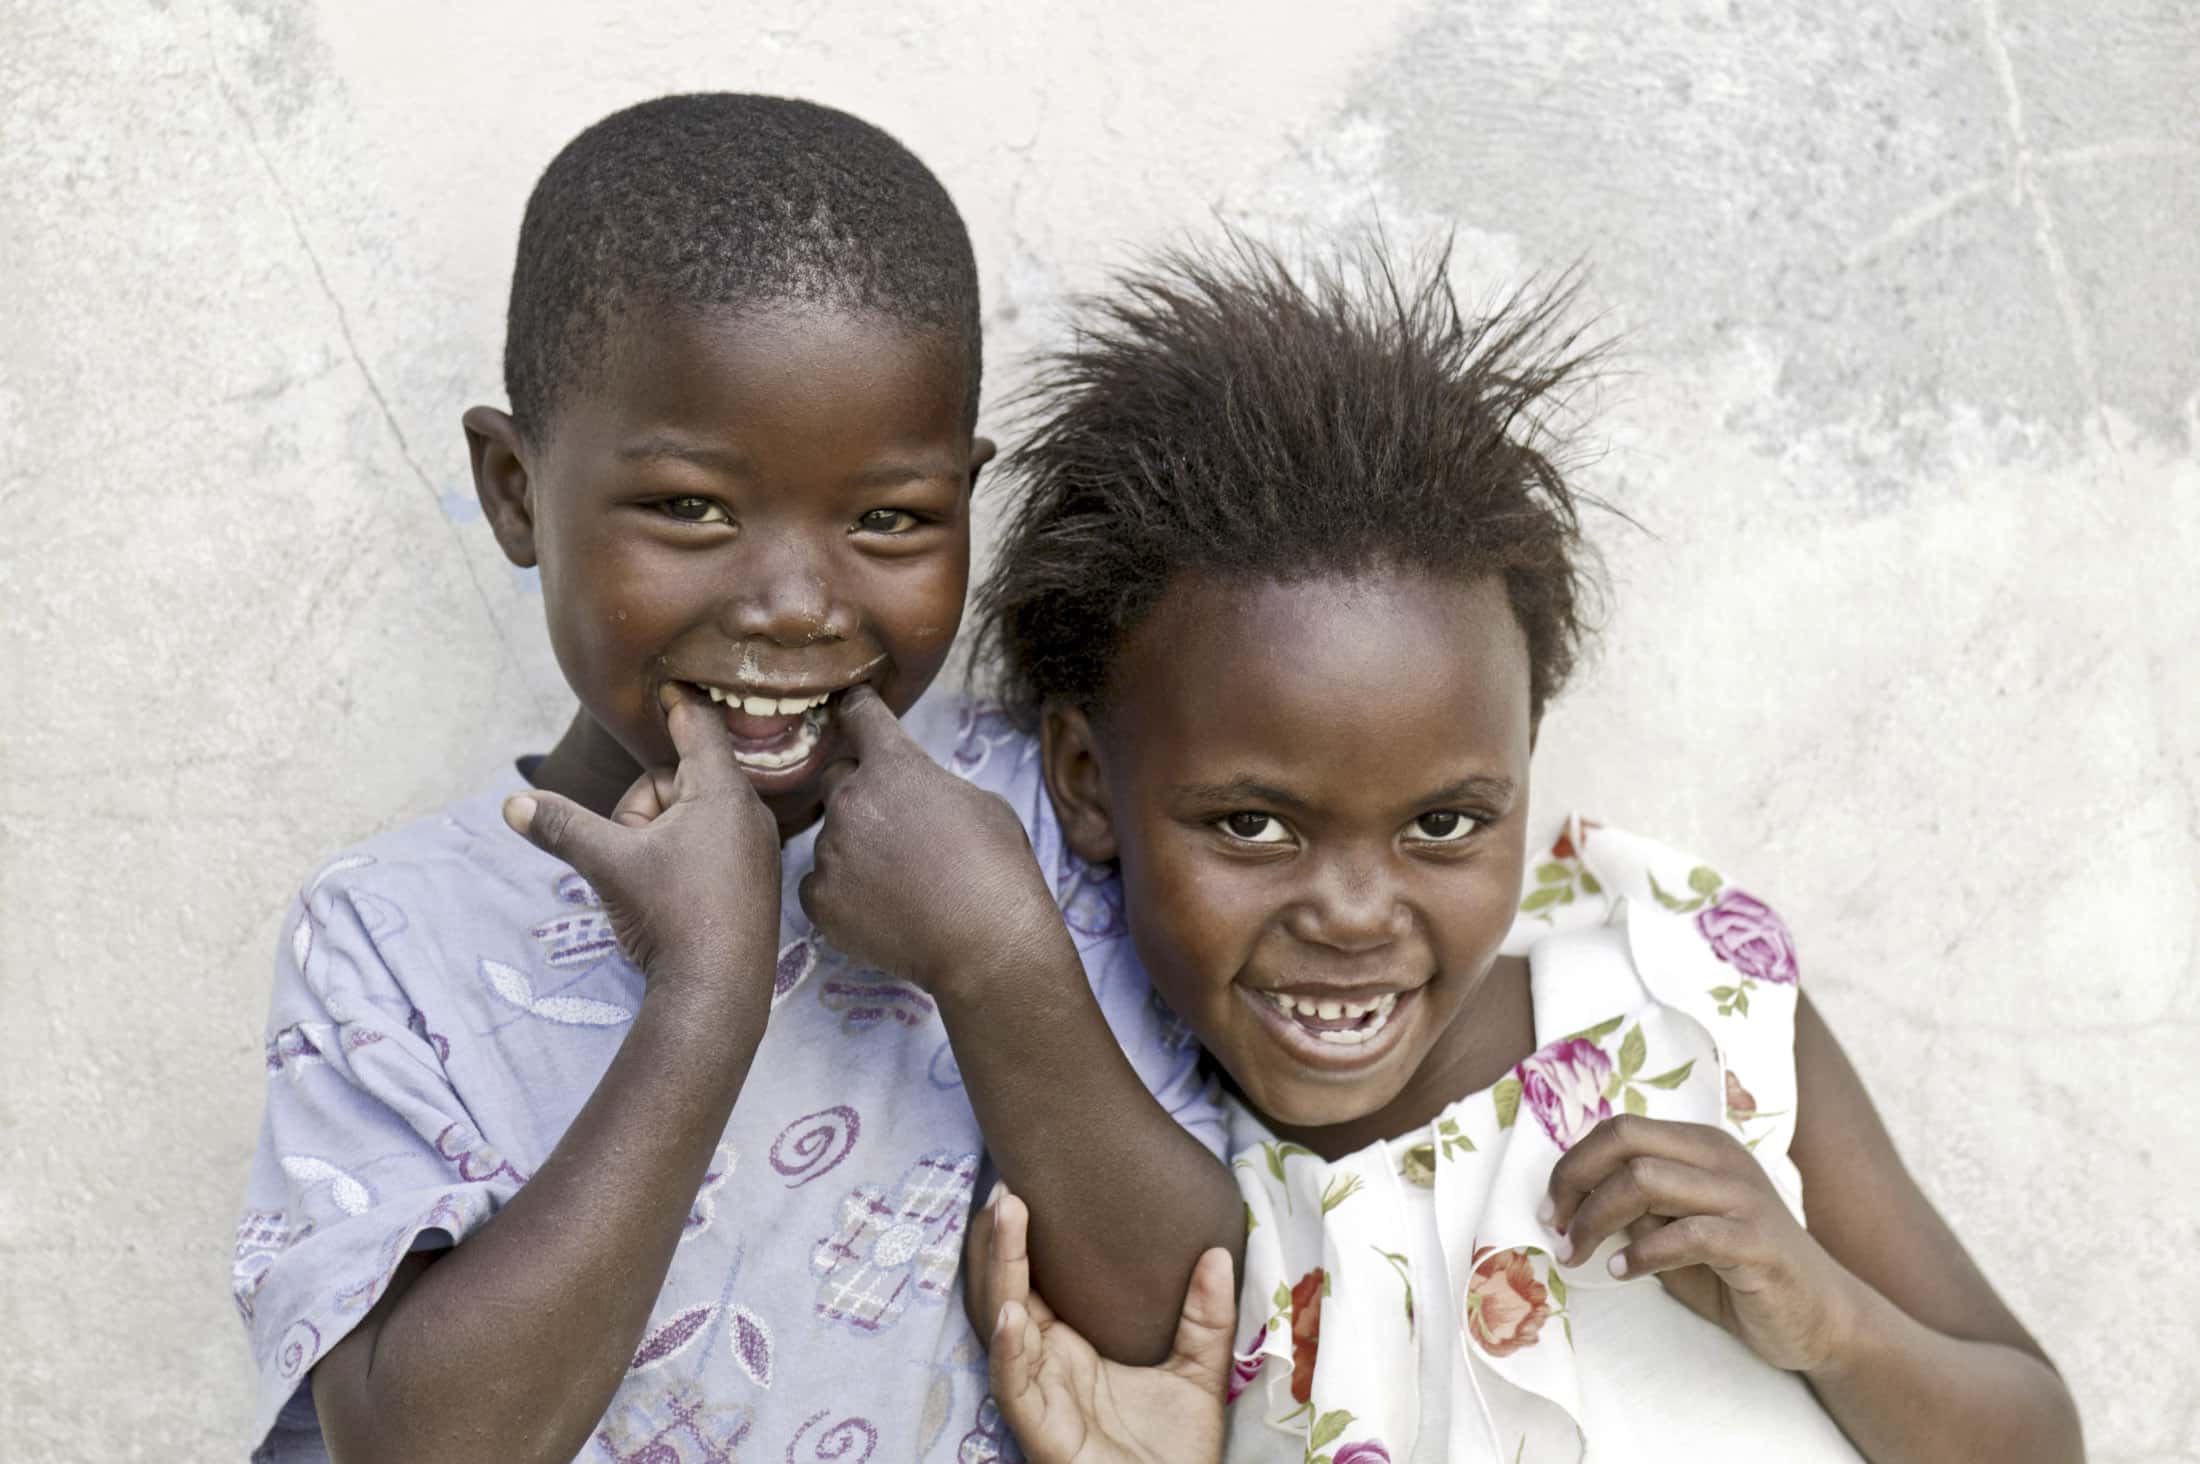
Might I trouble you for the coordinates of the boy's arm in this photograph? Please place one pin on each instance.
(511, 1345)
(930, 878)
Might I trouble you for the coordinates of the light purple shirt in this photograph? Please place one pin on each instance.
(446, 998)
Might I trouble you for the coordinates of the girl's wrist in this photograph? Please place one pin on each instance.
(1859, 1323)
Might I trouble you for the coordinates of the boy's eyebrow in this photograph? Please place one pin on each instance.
(703, 454)
(1497, 792)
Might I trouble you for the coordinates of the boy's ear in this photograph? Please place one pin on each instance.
(501, 481)
(982, 451)
(1069, 760)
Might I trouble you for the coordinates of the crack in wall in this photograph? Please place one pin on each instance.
(235, 104)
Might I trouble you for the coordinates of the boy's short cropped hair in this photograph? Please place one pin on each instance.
(728, 200)
(1222, 413)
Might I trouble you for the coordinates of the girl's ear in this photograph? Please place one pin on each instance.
(1069, 759)
(501, 481)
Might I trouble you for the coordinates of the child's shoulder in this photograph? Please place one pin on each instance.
(443, 854)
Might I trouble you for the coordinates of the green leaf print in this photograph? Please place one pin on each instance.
(1672, 902)
(1556, 1285)
(1546, 897)
(1455, 1142)
(1672, 1079)
(1326, 1429)
(1506, 1097)
(1631, 1053)
(1252, 1221)
(1552, 874)
(1598, 1033)
(1340, 1189)
(1283, 1297)
(1589, 883)
(1704, 880)
(1635, 1102)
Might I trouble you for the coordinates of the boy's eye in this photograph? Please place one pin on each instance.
(1446, 827)
(1254, 828)
(695, 511)
(888, 521)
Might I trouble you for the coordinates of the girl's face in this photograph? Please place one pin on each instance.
(1318, 795)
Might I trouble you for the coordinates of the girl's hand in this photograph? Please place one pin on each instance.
(1703, 1217)
(687, 866)
(1067, 1405)
(917, 870)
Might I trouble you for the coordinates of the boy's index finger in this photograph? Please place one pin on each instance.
(871, 725)
(699, 736)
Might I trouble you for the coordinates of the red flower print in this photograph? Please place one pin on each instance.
(1506, 1305)
(1564, 848)
(1306, 1331)
(1741, 1104)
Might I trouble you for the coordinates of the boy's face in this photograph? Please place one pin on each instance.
(1318, 795)
(770, 506)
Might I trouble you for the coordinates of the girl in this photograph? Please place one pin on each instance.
(1525, 1138)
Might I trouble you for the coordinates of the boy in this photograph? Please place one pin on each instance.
(506, 1204)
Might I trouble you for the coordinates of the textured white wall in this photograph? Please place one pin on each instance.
(1912, 304)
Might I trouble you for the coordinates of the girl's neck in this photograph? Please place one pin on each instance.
(1493, 1030)
(588, 766)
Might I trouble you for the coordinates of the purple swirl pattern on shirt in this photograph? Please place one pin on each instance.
(815, 1143)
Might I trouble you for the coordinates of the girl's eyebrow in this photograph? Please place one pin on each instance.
(1497, 792)
(659, 446)
(1241, 790)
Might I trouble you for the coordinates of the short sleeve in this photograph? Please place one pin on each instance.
(979, 741)
(365, 1152)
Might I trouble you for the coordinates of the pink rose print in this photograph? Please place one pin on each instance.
(891, 1249)
(1506, 1305)
(1563, 1085)
(1366, 1451)
(1747, 935)
(1246, 1365)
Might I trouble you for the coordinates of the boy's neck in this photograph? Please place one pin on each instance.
(587, 766)
(1493, 1031)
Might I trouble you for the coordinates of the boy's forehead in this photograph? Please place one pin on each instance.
(668, 372)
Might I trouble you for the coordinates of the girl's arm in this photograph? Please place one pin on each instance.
(511, 1346)
(1932, 1365)
(932, 879)
(1876, 1304)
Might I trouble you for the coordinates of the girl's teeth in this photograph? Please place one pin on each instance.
(1374, 1015)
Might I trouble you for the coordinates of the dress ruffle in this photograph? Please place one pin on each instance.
(1670, 993)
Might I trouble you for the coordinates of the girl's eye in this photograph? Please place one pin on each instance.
(1445, 827)
(888, 521)
(1254, 828)
(695, 511)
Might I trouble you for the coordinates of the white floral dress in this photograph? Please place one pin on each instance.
(1401, 1303)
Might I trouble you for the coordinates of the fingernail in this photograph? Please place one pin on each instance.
(1000, 1323)
(994, 1198)
(668, 695)
(519, 812)
(1544, 1210)
(1618, 1266)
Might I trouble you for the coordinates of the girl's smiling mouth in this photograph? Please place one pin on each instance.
(1324, 1029)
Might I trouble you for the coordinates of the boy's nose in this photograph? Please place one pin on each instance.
(788, 599)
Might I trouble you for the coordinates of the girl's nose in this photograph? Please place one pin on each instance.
(1353, 906)
(786, 596)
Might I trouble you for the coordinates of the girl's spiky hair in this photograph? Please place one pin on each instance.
(1220, 413)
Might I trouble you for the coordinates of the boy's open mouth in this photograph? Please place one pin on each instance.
(774, 733)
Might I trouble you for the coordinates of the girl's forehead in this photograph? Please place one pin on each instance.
(1365, 670)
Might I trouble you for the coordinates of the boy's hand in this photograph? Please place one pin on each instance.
(1066, 1405)
(917, 870)
(687, 866)
(1704, 1218)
